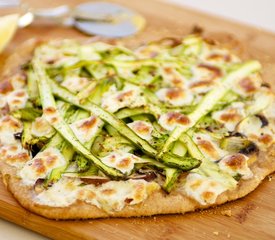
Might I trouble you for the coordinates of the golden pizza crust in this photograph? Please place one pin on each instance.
(157, 203)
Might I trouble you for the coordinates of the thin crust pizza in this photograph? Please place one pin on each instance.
(98, 130)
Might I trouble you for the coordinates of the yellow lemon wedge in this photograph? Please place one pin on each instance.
(8, 26)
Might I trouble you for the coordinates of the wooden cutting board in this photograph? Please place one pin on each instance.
(251, 217)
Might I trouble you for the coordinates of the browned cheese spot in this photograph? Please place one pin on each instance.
(54, 120)
(201, 84)
(213, 184)
(141, 128)
(215, 71)
(124, 163)
(177, 82)
(50, 110)
(41, 124)
(196, 185)
(5, 87)
(168, 70)
(217, 57)
(108, 191)
(208, 147)
(139, 191)
(11, 123)
(91, 195)
(20, 94)
(39, 165)
(112, 159)
(174, 93)
(88, 124)
(121, 97)
(13, 148)
(247, 85)
(16, 101)
(235, 161)
(81, 193)
(50, 161)
(175, 117)
(265, 139)
(21, 157)
(3, 152)
(5, 110)
(207, 195)
(228, 117)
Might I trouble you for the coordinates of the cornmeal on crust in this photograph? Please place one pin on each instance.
(96, 130)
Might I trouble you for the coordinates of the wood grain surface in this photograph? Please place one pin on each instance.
(252, 217)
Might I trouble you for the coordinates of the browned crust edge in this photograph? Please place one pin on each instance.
(157, 203)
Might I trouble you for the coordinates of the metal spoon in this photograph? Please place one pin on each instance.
(95, 18)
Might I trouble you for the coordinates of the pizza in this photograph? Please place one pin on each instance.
(94, 130)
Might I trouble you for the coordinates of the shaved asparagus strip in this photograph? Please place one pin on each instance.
(65, 148)
(61, 126)
(129, 112)
(80, 159)
(32, 87)
(171, 178)
(211, 99)
(168, 159)
(207, 167)
(27, 114)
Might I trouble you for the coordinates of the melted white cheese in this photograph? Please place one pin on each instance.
(41, 165)
(75, 83)
(51, 115)
(206, 73)
(61, 194)
(171, 120)
(88, 52)
(172, 78)
(236, 164)
(142, 128)
(3, 100)
(199, 87)
(261, 100)
(8, 127)
(86, 128)
(175, 96)
(248, 86)
(218, 57)
(113, 196)
(252, 128)
(130, 96)
(17, 99)
(14, 154)
(40, 127)
(148, 51)
(230, 116)
(57, 53)
(203, 189)
(208, 146)
(122, 161)
(110, 196)
(18, 81)
(270, 110)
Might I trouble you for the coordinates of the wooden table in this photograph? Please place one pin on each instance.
(252, 217)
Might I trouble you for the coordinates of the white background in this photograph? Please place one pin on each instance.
(260, 13)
